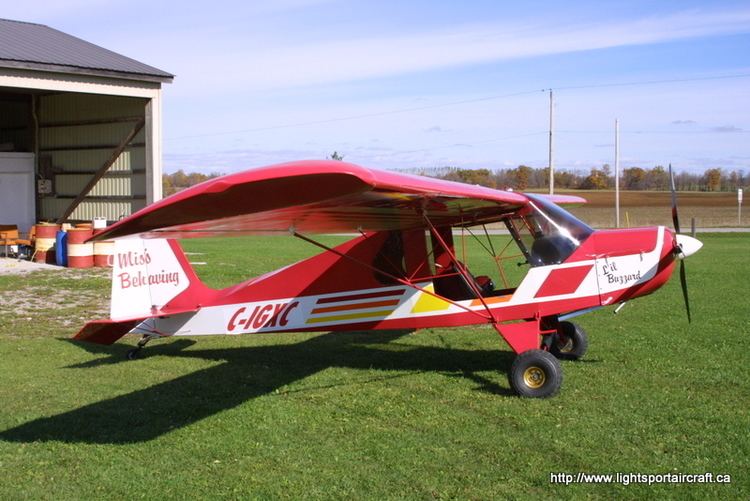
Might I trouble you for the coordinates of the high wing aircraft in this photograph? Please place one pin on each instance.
(400, 271)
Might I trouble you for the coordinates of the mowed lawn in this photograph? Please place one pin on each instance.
(427, 415)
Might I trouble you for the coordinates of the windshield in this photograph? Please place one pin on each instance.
(546, 233)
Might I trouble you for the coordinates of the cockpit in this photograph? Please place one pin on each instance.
(541, 234)
(545, 233)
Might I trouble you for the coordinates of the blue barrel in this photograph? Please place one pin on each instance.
(61, 248)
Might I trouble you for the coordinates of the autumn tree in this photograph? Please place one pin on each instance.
(713, 179)
(657, 179)
(633, 178)
(522, 176)
(597, 180)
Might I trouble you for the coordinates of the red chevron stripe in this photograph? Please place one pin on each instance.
(563, 281)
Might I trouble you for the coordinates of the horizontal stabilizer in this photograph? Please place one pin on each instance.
(105, 331)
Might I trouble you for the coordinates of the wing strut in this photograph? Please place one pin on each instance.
(460, 267)
(402, 281)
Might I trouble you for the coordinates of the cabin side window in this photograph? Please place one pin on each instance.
(390, 259)
(546, 233)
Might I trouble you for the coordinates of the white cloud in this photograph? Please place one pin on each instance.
(726, 128)
(374, 57)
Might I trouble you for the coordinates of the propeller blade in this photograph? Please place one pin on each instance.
(675, 219)
(683, 281)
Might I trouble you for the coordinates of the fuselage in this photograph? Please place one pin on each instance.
(343, 290)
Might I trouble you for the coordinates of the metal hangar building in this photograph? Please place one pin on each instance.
(80, 128)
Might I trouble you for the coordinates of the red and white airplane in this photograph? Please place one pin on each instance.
(401, 271)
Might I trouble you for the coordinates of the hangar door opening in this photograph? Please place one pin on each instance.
(77, 136)
(71, 156)
(16, 189)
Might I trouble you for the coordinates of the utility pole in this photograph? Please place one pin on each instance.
(617, 173)
(551, 144)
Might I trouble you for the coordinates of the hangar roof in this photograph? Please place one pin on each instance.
(39, 47)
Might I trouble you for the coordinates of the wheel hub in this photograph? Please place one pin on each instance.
(564, 343)
(534, 377)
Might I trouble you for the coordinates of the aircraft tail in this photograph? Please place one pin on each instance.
(149, 278)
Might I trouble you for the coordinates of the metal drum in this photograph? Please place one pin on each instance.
(46, 233)
(80, 253)
(103, 252)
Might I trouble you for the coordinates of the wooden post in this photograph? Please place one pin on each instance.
(102, 170)
(692, 227)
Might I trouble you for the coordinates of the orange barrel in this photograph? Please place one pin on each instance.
(80, 254)
(46, 233)
(103, 252)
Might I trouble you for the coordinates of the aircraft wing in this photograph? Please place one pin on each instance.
(315, 197)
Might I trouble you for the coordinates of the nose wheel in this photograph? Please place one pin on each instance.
(536, 374)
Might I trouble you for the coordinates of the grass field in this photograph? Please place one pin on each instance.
(427, 415)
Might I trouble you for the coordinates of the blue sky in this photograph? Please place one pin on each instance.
(434, 83)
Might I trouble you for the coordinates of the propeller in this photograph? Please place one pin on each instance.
(684, 245)
(675, 219)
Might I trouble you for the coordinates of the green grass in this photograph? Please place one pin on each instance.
(374, 415)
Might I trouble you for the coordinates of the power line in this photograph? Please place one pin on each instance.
(486, 141)
(651, 82)
(357, 117)
(455, 103)
(639, 131)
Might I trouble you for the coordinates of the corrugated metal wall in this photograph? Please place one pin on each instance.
(76, 148)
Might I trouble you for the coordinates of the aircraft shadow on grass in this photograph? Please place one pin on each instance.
(246, 373)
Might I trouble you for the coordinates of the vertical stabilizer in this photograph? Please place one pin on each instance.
(147, 275)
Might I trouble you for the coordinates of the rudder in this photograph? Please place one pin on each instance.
(147, 275)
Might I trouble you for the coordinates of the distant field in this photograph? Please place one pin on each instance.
(603, 198)
(643, 208)
(364, 415)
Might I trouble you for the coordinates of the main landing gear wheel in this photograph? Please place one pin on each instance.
(570, 342)
(133, 354)
(536, 374)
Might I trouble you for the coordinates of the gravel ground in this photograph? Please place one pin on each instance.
(12, 266)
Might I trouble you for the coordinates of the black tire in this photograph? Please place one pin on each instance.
(133, 354)
(570, 342)
(535, 374)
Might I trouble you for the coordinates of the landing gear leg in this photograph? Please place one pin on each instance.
(535, 372)
(133, 354)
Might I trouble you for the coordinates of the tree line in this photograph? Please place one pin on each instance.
(524, 177)
(178, 181)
